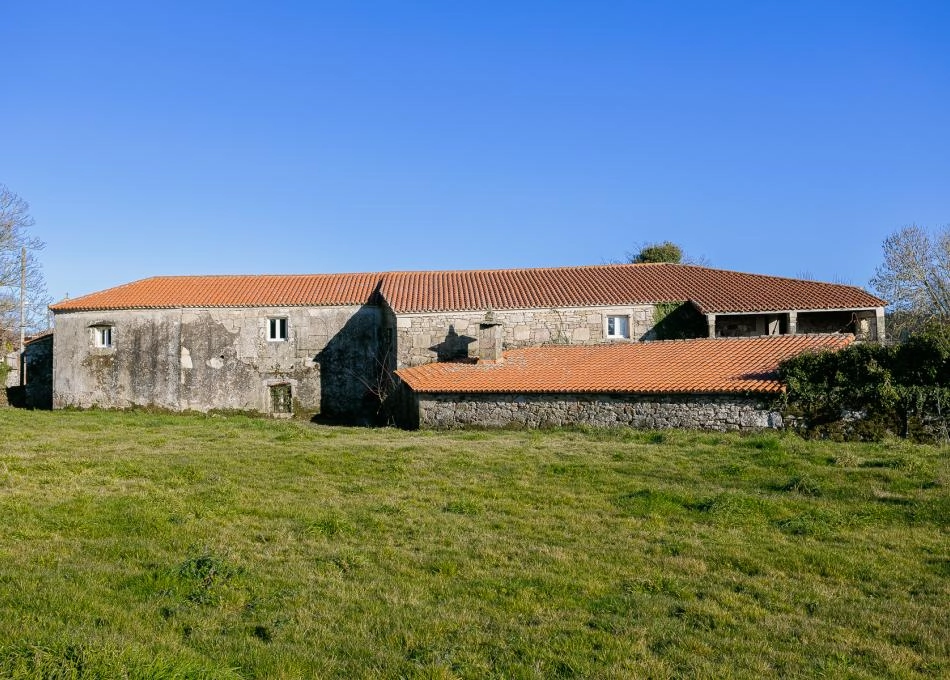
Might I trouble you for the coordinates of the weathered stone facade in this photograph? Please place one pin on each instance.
(219, 358)
(693, 411)
(444, 336)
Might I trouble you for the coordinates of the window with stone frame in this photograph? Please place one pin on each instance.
(102, 336)
(277, 329)
(618, 326)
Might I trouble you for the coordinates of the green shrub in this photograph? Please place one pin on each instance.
(867, 392)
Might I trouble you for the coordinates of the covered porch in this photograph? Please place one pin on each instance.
(864, 324)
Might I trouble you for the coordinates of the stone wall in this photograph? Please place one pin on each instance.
(443, 336)
(10, 387)
(203, 359)
(748, 325)
(697, 412)
(12, 362)
(832, 322)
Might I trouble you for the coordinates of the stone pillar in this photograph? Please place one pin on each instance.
(793, 323)
(13, 372)
(879, 324)
(863, 328)
(711, 322)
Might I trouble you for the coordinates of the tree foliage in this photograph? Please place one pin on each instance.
(667, 251)
(915, 275)
(15, 224)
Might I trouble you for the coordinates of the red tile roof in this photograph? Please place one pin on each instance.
(169, 292)
(711, 290)
(715, 366)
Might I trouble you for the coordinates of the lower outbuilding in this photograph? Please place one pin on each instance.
(711, 384)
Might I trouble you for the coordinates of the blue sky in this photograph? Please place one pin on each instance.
(244, 137)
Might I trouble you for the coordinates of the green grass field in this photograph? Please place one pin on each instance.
(137, 545)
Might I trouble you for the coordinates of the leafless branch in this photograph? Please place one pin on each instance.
(915, 274)
(15, 224)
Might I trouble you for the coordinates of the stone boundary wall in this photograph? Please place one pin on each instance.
(12, 361)
(422, 338)
(692, 411)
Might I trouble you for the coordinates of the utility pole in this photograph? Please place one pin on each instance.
(22, 313)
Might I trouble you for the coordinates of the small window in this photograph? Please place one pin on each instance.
(102, 336)
(618, 326)
(277, 329)
(280, 399)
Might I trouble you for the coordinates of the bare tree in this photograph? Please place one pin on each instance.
(15, 224)
(915, 274)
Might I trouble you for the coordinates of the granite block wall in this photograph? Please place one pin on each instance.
(695, 412)
(424, 338)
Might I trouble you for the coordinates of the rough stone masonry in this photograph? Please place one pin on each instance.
(699, 411)
(203, 359)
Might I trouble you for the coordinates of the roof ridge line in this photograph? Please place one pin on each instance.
(242, 276)
(607, 265)
(744, 338)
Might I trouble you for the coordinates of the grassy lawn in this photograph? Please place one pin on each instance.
(154, 546)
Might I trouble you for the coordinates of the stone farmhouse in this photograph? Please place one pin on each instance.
(348, 346)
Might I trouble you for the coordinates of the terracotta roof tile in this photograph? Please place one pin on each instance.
(720, 365)
(167, 292)
(711, 290)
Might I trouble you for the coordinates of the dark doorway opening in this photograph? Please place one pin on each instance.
(281, 399)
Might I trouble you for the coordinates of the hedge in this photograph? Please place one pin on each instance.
(867, 391)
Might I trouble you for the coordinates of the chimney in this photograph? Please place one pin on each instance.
(490, 334)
